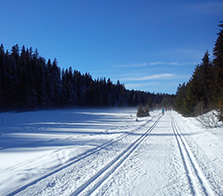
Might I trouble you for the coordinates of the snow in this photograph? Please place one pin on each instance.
(107, 152)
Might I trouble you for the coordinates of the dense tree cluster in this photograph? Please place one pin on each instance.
(204, 91)
(28, 81)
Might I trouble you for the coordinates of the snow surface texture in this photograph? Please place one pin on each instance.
(107, 152)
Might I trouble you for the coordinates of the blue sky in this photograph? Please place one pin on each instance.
(147, 45)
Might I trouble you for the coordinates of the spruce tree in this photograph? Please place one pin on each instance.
(140, 112)
(2, 73)
(218, 48)
(218, 64)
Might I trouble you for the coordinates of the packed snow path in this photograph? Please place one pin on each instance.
(198, 183)
(106, 152)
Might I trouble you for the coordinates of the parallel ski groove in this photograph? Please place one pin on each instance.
(107, 170)
(76, 159)
(196, 178)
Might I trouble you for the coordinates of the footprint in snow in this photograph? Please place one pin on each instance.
(52, 184)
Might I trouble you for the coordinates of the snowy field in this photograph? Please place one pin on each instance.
(107, 152)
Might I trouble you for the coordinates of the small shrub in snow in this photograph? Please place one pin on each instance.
(142, 113)
(210, 119)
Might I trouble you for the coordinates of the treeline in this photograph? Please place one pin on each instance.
(28, 81)
(204, 91)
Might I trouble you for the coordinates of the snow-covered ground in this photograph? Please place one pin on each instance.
(107, 152)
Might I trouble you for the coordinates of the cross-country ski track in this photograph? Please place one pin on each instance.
(119, 158)
(114, 164)
(198, 183)
(100, 152)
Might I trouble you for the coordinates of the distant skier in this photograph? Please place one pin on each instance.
(163, 111)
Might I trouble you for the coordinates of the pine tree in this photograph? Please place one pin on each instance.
(56, 82)
(2, 73)
(147, 110)
(41, 82)
(218, 64)
(140, 112)
(218, 48)
(15, 53)
(77, 86)
(32, 80)
(49, 85)
(180, 105)
(207, 81)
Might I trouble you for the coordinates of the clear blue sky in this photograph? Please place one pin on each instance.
(147, 45)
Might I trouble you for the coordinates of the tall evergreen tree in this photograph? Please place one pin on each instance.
(15, 53)
(218, 63)
(218, 48)
(2, 73)
(41, 82)
(207, 81)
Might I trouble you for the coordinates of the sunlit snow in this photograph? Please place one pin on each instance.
(108, 152)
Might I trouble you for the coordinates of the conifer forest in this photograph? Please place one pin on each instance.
(204, 90)
(29, 82)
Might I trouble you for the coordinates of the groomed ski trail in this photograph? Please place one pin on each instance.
(30, 185)
(199, 185)
(110, 168)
